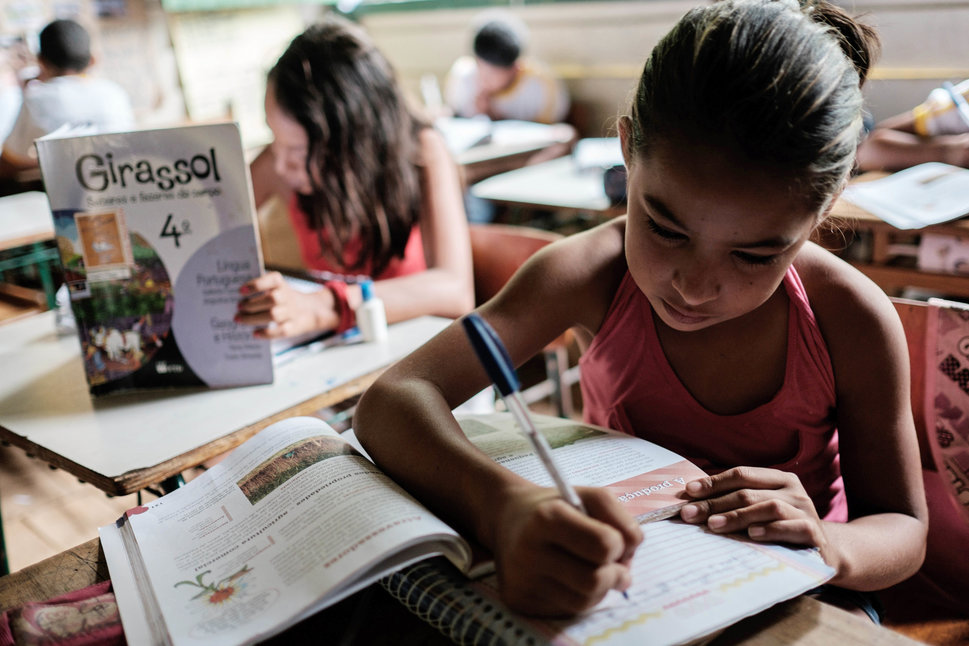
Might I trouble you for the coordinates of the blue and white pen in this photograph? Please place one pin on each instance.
(494, 357)
(962, 107)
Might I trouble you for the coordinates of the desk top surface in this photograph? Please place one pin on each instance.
(24, 218)
(44, 399)
(557, 183)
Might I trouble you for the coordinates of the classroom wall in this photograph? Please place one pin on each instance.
(923, 43)
(205, 65)
(599, 47)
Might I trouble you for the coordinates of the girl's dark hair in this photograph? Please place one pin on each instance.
(776, 80)
(364, 154)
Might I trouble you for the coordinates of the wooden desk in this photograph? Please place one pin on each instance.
(507, 153)
(125, 442)
(801, 621)
(26, 226)
(888, 269)
(556, 184)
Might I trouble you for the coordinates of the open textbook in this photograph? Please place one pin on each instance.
(297, 518)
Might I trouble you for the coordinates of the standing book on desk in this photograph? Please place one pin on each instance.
(296, 519)
(156, 232)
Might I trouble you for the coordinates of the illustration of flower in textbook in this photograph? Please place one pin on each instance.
(221, 592)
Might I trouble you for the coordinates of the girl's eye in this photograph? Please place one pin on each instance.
(754, 259)
(662, 232)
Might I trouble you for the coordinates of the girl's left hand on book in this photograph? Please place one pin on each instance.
(767, 504)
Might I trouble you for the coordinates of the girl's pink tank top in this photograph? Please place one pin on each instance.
(628, 385)
(309, 245)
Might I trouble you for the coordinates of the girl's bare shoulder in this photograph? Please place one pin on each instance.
(578, 275)
(589, 256)
(854, 314)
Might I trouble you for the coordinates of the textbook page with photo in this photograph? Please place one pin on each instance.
(156, 231)
(298, 518)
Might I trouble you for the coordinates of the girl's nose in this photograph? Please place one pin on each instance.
(696, 284)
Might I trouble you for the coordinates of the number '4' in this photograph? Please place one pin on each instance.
(169, 230)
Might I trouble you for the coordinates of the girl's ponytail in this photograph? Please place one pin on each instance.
(858, 41)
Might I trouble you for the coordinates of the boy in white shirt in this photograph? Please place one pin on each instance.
(500, 83)
(63, 94)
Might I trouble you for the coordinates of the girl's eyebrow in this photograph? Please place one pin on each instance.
(774, 242)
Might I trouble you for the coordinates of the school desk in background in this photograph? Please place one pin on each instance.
(126, 442)
(484, 148)
(905, 230)
(26, 240)
(570, 184)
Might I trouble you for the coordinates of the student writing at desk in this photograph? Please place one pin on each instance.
(373, 190)
(711, 325)
(63, 94)
(499, 81)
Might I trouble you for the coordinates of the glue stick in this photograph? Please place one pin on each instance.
(371, 317)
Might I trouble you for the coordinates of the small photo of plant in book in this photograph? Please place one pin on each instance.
(285, 464)
(221, 591)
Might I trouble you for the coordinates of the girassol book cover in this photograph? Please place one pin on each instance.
(156, 231)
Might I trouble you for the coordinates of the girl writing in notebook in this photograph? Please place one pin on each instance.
(710, 325)
(374, 190)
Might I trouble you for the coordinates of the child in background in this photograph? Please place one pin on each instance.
(933, 131)
(499, 81)
(374, 191)
(64, 93)
(710, 325)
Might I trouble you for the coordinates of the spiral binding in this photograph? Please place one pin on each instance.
(440, 595)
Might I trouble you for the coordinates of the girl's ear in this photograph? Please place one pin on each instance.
(625, 138)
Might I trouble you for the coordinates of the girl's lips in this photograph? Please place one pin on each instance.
(686, 318)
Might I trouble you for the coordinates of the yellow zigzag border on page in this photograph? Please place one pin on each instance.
(626, 625)
(647, 616)
(736, 583)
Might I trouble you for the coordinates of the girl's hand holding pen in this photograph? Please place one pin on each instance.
(553, 560)
(278, 310)
(766, 504)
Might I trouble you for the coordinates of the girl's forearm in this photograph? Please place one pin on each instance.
(877, 551)
(436, 291)
(411, 434)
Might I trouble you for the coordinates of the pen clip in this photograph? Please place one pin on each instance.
(492, 353)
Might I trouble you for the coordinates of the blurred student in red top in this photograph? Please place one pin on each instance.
(375, 191)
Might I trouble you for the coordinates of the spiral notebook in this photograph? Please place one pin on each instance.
(688, 583)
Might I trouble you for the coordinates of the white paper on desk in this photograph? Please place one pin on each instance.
(689, 583)
(915, 197)
(597, 152)
(461, 133)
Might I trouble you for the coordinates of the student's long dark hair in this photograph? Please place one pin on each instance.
(364, 155)
(774, 80)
